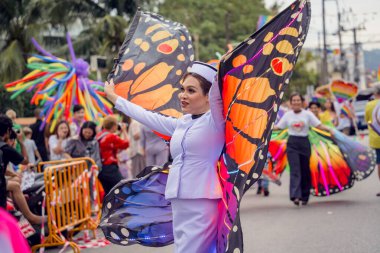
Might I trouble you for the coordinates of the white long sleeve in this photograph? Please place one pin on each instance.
(216, 106)
(160, 123)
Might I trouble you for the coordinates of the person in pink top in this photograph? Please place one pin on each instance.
(11, 238)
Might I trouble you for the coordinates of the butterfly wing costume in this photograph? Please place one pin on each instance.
(335, 163)
(252, 79)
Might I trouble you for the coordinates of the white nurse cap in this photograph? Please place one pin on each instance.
(204, 70)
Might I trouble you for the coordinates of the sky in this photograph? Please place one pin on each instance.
(363, 13)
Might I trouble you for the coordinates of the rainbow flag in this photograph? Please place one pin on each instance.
(378, 74)
(345, 110)
(263, 19)
(336, 51)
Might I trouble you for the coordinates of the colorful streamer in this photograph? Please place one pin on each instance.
(58, 85)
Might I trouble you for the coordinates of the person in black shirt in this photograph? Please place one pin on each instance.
(9, 154)
(39, 135)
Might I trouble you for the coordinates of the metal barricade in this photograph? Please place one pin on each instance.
(68, 200)
(94, 170)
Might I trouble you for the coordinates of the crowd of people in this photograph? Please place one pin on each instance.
(116, 145)
(122, 147)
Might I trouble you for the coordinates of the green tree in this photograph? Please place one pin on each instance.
(63, 13)
(19, 21)
(303, 75)
(215, 23)
(103, 33)
(122, 7)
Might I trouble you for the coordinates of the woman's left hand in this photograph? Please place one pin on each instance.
(109, 89)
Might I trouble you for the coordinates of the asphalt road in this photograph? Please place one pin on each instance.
(348, 222)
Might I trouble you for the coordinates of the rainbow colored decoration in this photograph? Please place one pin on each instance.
(336, 51)
(59, 84)
(263, 19)
(343, 91)
(319, 98)
(378, 74)
(346, 111)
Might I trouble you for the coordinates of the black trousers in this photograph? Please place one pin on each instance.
(298, 151)
(109, 176)
(43, 152)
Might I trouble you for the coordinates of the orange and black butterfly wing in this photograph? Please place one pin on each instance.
(252, 79)
(151, 62)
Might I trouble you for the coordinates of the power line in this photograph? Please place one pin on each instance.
(324, 67)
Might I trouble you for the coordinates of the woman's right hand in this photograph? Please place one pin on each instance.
(123, 127)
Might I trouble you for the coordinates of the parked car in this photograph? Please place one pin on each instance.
(359, 104)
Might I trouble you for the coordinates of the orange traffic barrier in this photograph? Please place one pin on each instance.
(69, 205)
(93, 168)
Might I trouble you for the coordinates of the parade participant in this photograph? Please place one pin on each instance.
(135, 151)
(315, 108)
(371, 116)
(58, 141)
(196, 144)
(298, 121)
(85, 144)
(155, 149)
(78, 120)
(110, 144)
(329, 117)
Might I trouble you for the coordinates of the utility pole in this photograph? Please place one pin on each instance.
(320, 80)
(342, 68)
(324, 77)
(354, 30)
(356, 57)
(356, 52)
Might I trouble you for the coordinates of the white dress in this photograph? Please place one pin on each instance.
(193, 185)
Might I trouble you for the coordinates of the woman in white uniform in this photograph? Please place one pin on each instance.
(197, 141)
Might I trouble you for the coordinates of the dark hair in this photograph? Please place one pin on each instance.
(205, 85)
(315, 103)
(77, 108)
(332, 104)
(13, 135)
(60, 123)
(296, 94)
(5, 124)
(88, 124)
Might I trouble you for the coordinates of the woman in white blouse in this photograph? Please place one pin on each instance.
(58, 141)
(298, 121)
(197, 140)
